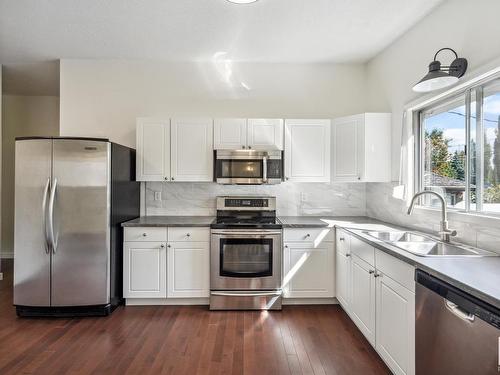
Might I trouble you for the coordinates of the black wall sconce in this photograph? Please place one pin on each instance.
(442, 76)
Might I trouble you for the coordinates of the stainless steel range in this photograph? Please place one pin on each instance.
(246, 255)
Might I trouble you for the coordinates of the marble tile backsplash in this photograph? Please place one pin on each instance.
(479, 231)
(293, 199)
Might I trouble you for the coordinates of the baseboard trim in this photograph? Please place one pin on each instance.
(206, 301)
(165, 301)
(310, 301)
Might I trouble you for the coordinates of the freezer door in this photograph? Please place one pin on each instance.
(33, 159)
(80, 215)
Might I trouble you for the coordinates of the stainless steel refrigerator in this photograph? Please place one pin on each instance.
(71, 194)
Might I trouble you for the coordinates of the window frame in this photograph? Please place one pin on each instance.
(467, 91)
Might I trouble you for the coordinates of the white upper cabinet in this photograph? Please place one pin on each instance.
(191, 150)
(265, 134)
(230, 133)
(307, 150)
(176, 150)
(362, 148)
(252, 134)
(153, 150)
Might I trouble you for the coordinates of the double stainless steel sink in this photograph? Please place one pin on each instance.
(422, 245)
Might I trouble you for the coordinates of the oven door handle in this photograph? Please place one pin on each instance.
(246, 294)
(245, 234)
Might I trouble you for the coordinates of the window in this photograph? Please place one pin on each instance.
(459, 150)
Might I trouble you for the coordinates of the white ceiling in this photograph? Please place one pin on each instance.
(186, 30)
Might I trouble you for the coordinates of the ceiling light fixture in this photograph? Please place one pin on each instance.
(242, 1)
(442, 76)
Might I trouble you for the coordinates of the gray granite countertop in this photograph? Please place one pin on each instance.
(323, 221)
(170, 221)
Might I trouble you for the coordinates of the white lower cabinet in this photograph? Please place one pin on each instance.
(395, 326)
(188, 269)
(363, 297)
(166, 263)
(309, 271)
(144, 270)
(378, 295)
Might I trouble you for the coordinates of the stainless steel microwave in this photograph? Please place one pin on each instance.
(248, 167)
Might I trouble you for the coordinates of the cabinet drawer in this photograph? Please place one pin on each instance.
(342, 242)
(396, 269)
(145, 234)
(315, 235)
(190, 234)
(363, 250)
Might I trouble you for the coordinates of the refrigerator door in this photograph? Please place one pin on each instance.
(32, 256)
(80, 216)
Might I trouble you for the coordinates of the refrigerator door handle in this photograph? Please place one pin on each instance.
(44, 213)
(51, 216)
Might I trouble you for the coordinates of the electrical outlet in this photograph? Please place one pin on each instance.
(157, 195)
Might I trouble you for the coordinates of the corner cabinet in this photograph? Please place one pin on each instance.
(307, 150)
(378, 292)
(163, 263)
(174, 150)
(362, 148)
(251, 134)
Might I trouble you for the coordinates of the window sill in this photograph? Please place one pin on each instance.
(462, 215)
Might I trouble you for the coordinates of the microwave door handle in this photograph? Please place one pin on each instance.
(264, 169)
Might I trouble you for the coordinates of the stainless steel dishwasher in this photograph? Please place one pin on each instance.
(456, 333)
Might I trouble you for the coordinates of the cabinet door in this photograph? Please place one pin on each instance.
(230, 134)
(153, 150)
(307, 150)
(188, 269)
(265, 134)
(396, 325)
(348, 148)
(343, 282)
(363, 297)
(309, 270)
(144, 270)
(192, 151)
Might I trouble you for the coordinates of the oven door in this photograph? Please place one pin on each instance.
(245, 260)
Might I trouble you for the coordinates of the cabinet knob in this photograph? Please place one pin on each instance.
(249, 147)
(348, 255)
(166, 178)
(359, 178)
(286, 178)
(144, 234)
(168, 245)
(377, 275)
(172, 178)
(242, 146)
(162, 246)
(308, 235)
(188, 234)
(286, 246)
(342, 239)
(371, 272)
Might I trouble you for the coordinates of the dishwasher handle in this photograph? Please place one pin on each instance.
(458, 312)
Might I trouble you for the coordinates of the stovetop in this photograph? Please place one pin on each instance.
(246, 223)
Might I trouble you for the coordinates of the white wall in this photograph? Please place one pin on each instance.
(469, 27)
(21, 116)
(472, 29)
(103, 98)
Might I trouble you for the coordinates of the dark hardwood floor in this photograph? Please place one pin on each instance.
(184, 340)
